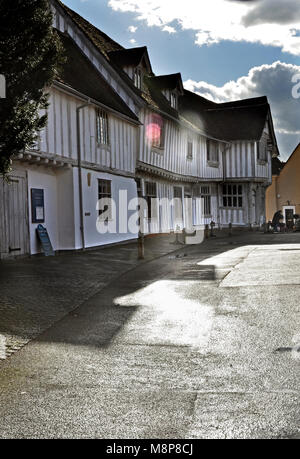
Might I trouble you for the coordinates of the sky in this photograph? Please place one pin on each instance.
(224, 49)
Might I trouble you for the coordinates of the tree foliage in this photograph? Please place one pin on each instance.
(30, 57)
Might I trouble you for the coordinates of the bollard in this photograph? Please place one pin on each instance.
(177, 234)
(250, 227)
(212, 225)
(206, 231)
(141, 246)
(230, 229)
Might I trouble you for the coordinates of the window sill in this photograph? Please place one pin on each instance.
(213, 164)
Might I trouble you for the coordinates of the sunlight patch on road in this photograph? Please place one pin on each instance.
(166, 316)
(2, 347)
(229, 258)
(267, 265)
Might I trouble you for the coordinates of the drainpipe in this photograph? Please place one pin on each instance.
(78, 109)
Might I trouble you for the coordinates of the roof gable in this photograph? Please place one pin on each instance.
(172, 82)
(131, 57)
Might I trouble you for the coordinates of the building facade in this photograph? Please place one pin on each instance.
(114, 126)
(284, 193)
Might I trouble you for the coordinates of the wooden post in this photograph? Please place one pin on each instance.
(206, 231)
(141, 246)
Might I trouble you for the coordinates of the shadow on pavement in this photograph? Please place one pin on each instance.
(37, 293)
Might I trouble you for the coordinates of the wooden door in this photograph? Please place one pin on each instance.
(14, 232)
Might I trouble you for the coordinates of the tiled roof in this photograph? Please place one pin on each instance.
(102, 41)
(230, 121)
(93, 85)
(237, 120)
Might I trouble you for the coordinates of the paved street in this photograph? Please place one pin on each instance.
(37, 292)
(200, 343)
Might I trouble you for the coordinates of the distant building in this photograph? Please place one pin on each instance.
(284, 193)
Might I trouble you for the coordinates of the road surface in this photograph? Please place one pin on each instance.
(202, 344)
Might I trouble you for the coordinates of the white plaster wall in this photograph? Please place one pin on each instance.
(77, 234)
(65, 209)
(90, 198)
(44, 178)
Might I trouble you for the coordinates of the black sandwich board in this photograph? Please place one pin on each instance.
(45, 241)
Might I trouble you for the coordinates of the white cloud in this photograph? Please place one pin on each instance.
(132, 29)
(268, 22)
(133, 41)
(273, 81)
(169, 29)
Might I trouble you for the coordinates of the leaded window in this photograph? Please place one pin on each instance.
(232, 195)
(206, 196)
(102, 127)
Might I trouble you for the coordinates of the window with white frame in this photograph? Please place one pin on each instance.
(137, 78)
(190, 149)
(104, 192)
(212, 148)
(206, 197)
(233, 196)
(102, 127)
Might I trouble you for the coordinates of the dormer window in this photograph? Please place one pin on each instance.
(173, 100)
(137, 78)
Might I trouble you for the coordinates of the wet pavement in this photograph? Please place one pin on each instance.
(37, 292)
(202, 343)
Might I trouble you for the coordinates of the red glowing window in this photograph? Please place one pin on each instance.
(155, 131)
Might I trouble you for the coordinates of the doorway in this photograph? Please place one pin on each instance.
(288, 216)
(14, 231)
